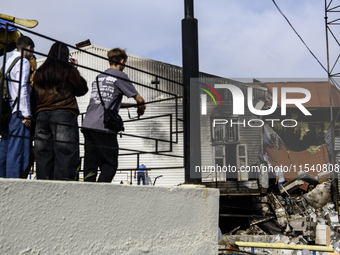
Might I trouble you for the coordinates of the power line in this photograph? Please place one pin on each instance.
(298, 35)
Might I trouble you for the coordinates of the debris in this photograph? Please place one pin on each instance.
(331, 215)
(290, 219)
(322, 234)
(320, 195)
(280, 211)
(231, 248)
(291, 186)
(324, 176)
(304, 226)
(299, 180)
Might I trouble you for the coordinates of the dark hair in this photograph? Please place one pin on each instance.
(58, 52)
(116, 55)
(23, 42)
(55, 70)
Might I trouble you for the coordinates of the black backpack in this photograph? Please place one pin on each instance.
(6, 109)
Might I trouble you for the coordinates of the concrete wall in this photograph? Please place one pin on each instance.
(52, 217)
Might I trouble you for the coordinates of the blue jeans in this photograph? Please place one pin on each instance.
(280, 185)
(14, 148)
(140, 175)
(57, 145)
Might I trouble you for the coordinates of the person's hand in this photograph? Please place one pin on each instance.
(27, 121)
(74, 61)
(141, 109)
(134, 177)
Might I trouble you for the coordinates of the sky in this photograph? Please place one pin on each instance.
(237, 38)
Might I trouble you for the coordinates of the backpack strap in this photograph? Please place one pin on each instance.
(12, 65)
(100, 96)
(9, 69)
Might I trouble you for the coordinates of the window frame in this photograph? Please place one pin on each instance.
(238, 156)
(228, 132)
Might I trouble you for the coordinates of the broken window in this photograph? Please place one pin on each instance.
(225, 132)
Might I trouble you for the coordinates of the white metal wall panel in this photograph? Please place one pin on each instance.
(337, 144)
(156, 128)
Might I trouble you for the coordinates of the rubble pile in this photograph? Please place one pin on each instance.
(307, 219)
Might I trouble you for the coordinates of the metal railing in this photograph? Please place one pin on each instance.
(174, 125)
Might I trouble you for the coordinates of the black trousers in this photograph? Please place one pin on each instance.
(57, 145)
(101, 151)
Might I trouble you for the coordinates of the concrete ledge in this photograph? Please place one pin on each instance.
(53, 217)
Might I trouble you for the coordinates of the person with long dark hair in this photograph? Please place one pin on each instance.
(56, 84)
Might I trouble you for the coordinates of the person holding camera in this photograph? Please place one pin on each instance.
(57, 83)
(101, 145)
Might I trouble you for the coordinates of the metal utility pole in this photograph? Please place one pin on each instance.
(191, 103)
(333, 73)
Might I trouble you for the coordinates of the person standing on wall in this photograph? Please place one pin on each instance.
(101, 145)
(140, 174)
(15, 142)
(57, 83)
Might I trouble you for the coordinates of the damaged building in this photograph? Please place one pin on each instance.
(312, 144)
(305, 210)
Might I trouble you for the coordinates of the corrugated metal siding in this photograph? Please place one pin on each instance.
(337, 144)
(155, 128)
(252, 136)
(157, 68)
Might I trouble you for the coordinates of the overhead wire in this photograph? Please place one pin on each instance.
(278, 8)
(328, 72)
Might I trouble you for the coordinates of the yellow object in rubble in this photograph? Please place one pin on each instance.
(286, 246)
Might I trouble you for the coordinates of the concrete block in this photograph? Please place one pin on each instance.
(54, 217)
